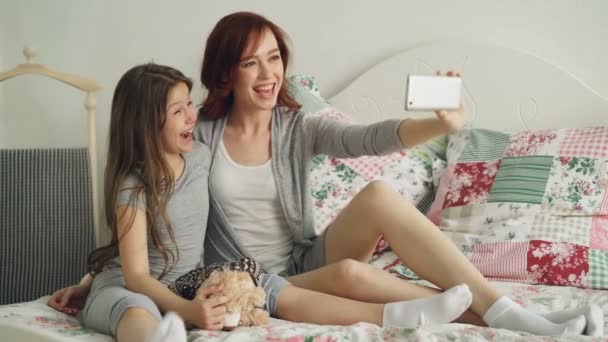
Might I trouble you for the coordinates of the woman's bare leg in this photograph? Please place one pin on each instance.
(301, 305)
(378, 210)
(363, 282)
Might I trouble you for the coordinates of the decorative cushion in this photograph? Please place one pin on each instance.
(335, 181)
(529, 207)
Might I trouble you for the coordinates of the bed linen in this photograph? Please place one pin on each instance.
(36, 317)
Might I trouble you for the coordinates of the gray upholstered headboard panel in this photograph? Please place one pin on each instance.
(46, 221)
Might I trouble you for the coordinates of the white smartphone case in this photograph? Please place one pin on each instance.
(427, 93)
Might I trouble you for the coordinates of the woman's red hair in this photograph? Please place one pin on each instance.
(225, 46)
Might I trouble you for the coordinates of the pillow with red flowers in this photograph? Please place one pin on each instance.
(531, 206)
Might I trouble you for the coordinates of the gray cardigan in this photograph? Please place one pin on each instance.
(296, 137)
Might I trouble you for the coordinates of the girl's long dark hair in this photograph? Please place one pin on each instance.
(137, 117)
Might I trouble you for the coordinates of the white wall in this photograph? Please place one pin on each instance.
(333, 40)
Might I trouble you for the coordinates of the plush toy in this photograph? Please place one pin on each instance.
(239, 280)
(246, 299)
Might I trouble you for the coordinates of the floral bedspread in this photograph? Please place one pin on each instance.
(35, 316)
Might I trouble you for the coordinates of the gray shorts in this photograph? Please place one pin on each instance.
(312, 258)
(108, 301)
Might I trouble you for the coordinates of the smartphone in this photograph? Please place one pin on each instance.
(428, 93)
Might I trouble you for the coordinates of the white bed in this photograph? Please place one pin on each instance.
(504, 90)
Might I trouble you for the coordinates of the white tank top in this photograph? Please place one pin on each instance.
(248, 196)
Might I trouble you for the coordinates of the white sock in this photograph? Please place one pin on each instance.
(170, 329)
(440, 308)
(506, 314)
(592, 312)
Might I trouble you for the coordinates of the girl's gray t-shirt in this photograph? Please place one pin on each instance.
(187, 211)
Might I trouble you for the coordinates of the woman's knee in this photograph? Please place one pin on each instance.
(352, 276)
(378, 197)
(350, 271)
(377, 192)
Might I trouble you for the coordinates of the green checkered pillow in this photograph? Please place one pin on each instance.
(531, 206)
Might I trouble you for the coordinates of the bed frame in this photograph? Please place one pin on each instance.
(504, 89)
(90, 104)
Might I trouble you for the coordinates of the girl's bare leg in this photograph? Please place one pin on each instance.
(136, 324)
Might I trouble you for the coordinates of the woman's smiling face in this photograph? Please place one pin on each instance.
(259, 75)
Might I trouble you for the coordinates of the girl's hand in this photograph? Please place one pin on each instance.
(453, 121)
(70, 299)
(209, 308)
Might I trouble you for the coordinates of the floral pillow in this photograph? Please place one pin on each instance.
(334, 181)
(305, 91)
(529, 207)
(308, 82)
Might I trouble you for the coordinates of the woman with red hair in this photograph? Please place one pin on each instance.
(262, 145)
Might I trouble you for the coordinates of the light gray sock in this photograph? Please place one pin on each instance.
(506, 314)
(440, 308)
(592, 312)
(170, 329)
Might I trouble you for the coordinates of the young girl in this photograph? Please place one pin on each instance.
(262, 144)
(156, 205)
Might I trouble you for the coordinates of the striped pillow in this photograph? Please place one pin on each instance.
(529, 207)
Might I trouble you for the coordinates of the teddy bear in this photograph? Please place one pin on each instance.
(246, 299)
(239, 280)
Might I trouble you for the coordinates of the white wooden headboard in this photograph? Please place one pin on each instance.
(504, 89)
